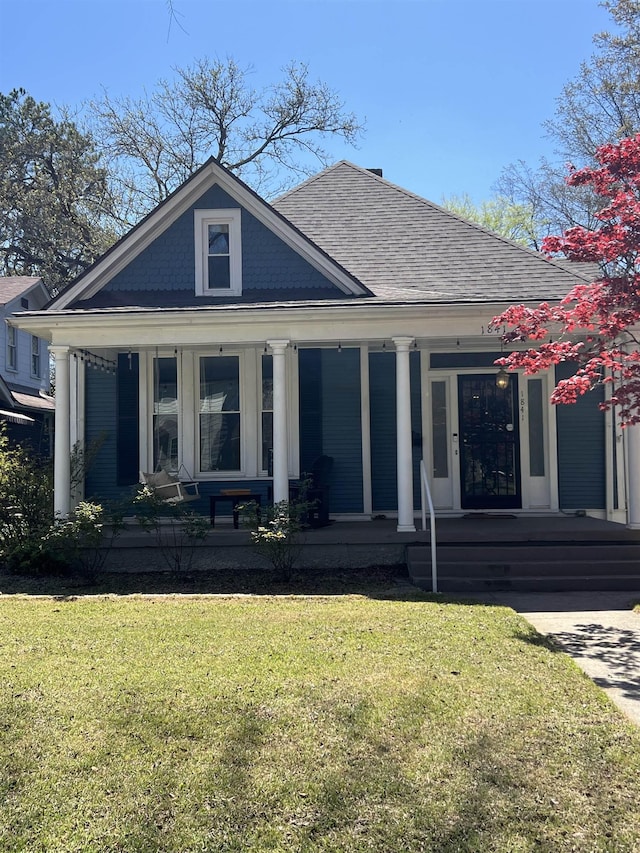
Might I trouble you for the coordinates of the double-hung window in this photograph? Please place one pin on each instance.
(35, 356)
(166, 421)
(267, 414)
(220, 427)
(218, 252)
(211, 413)
(12, 348)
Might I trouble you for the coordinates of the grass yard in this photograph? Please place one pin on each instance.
(302, 723)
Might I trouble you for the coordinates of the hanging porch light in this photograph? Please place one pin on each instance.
(502, 379)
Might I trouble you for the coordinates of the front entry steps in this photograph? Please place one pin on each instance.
(527, 566)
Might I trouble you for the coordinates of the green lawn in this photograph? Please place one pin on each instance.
(305, 723)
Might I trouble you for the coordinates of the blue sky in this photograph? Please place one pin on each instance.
(452, 91)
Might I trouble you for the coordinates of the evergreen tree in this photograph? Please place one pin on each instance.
(54, 197)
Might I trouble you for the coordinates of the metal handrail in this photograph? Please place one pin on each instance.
(425, 492)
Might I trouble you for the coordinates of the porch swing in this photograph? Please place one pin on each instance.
(170, 487)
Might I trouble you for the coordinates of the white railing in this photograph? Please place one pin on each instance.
(425, 498)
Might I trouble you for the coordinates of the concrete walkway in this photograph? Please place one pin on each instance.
(598, 629)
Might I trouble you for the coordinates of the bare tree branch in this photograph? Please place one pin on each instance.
(212, 109)
(602, 104)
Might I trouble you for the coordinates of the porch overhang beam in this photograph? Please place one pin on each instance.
(238, 325)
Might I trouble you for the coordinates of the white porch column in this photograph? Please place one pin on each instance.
(632, 436)
(280, 438)
(403, 438)
(61, 457)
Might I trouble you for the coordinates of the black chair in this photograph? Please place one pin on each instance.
(317, 493)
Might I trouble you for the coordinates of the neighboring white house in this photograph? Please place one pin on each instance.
(25, 405)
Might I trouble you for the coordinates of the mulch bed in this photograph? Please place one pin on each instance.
(383, 581)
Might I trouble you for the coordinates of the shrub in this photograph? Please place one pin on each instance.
(32, 541)
(177, 530)
(26, 508)
(275, 530)
(83, 539)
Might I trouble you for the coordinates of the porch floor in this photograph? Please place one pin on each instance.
(479, 528)
(356, 544)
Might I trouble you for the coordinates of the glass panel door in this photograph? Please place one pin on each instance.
(439, 463)
(489, 443)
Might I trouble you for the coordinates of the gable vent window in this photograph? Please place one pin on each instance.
(218, 253)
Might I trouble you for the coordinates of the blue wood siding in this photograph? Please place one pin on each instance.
(382, 390)
(128, 434)
(310, 403)
(382, 385)
(464, 359)
(330, 421)
(581, 449)
(101, 421)
(268, 263)
(416, 423)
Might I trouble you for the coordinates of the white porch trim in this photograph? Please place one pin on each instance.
(62, 447)
(77, 409)
(280, 439)
(406, 523)
(632, 435)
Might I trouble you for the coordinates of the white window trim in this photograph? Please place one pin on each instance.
(189, 421)
(36, 352)
(223, 216)
(231, 474)
(147, 401)
(293, 421)
(262, 472)
(550, 437)
(11, 330)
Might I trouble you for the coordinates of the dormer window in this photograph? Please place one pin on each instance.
(218, 253)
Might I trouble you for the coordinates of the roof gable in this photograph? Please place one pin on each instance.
(209, 185)
(12, 287)
(402, 246)
(162, 275)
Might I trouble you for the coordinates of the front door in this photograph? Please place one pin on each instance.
(489, 443)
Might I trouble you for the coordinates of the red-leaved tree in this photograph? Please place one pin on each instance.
(596, 325)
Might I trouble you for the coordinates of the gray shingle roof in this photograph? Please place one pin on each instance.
(32, 399)
(12, 286)
(406, 248)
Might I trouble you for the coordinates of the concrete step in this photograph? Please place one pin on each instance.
(529, 551)
(535, 584)
(532, 568)
(527, 566)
